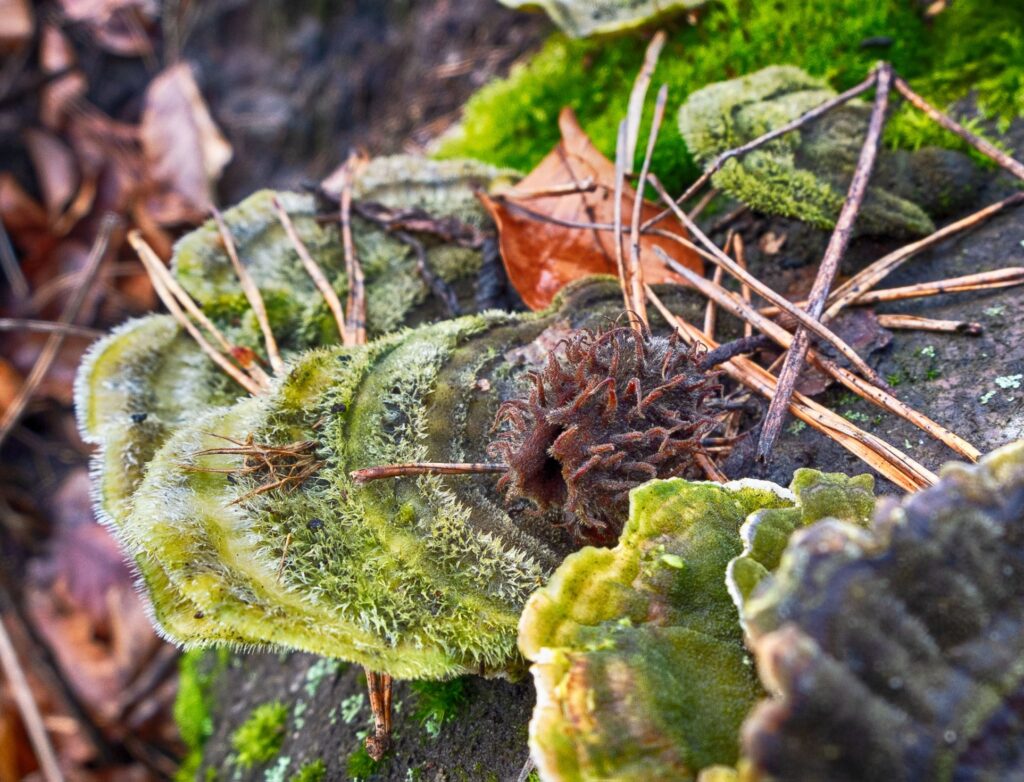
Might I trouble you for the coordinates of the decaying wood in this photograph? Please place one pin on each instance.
(917, 323)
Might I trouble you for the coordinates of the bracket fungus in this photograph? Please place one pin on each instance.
(638, 655)
(896, 652)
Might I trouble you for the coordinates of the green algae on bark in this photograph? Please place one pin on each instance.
(638, 654)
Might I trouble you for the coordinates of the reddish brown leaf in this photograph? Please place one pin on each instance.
(57, 97)
(183, 147)
(16, 22)
(55, 167)
(540, 256)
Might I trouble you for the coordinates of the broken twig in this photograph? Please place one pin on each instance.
(368, 474)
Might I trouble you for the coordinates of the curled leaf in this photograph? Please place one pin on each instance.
(895, 652)
(542, 256)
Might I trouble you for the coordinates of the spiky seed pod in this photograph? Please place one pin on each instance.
(609, 411)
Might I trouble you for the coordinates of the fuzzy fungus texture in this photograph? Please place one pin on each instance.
(895, 652)
(610, 410)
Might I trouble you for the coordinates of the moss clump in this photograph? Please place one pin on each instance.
(973, 45)
(260, 737)
(439, 702)
(197, 670)
(315, 771)
(360, 766)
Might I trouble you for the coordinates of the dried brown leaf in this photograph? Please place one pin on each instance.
(16, 24)
(57, 97)
(56, 169)
(184, 149)
(541, 256)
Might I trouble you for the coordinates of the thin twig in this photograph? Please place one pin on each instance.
(716, 256)
(916, 323)
(252, 294)
(424, 468)
(709, 467)
(441, 289)
(151, 260)
(888, 460)
(379, 686)
(701, 205)
(740, 251)
(829, 267)
(54, 342)
(736, 306)
(49, 327)
(981, 281)
(315, 272)
(28, 709)
(711, 311)
(12, 269)
(871, 275)
(355, 306)
(1015, 167)
(585, 185)
(638, 95)
(637, 300)
(620, 261)
(803, 119)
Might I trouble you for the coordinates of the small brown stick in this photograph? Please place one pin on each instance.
(867, 278)
(888, 460)
(424, 468)
(620, 261)
(711, 311)
(998, 156)
(379, 686)
(315, 272)
(736, 306)
(716, 256)
(28, 709)
(701, 205)
(150, 259)
(916, 323)
(252, 293)
(49, 327)
(12, 269)
(284, 555)
(728, 219)
(998, 278)
(638, 95)
(54, 342)
(740, 251)
(829, 267)
(709, 467)
(803, 119)
(637, 300)
(585, 185)
(355, 326)
(441, 289)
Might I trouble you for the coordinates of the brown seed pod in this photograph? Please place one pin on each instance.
(609, 411)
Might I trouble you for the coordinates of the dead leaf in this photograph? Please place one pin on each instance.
(56, 169)
(16, 24)
(119, 26)
(58, 96)
(185, 150)
(542, 257)
(10, 384)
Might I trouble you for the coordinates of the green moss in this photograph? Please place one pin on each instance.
(314, 771)
(360, 766)
(439, 702)
(974, 44)
(259, 738)
(197, 671)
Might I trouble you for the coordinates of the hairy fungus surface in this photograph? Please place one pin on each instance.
(896, 652)
(638, 655)
(610, 410)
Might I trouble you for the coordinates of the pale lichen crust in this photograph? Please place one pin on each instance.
(805, 173)
(581, 18)
(639, 661)
(897, 652)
